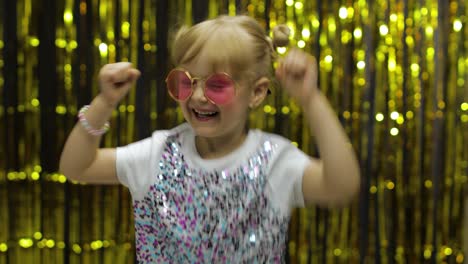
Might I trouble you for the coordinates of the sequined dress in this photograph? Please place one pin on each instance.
(233, 211)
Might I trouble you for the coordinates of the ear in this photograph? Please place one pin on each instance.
(259, 92)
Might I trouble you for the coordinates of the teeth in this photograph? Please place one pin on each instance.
(204, 113)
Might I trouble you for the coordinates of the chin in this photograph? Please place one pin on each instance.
(205, 132)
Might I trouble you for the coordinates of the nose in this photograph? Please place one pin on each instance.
(198, 92)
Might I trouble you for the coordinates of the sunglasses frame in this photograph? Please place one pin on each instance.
(192, 81)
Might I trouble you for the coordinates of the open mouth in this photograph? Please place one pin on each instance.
(204, 115)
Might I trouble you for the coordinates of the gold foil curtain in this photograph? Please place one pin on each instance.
(395, 72)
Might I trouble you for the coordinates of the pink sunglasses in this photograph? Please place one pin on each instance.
(219, 88)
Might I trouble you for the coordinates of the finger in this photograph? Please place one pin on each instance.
(311, 73)
(134, 74)
(112, 72)
(312, 61)
(295, 64)
(106, 72)
(121, 73)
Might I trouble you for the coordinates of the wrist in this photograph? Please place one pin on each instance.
(104, 103)
(88, 127)
(94, 118)
(311, 100)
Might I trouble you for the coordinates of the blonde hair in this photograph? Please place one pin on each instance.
(237, 42)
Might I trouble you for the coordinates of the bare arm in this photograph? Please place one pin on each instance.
(81, 158)
(335, 178)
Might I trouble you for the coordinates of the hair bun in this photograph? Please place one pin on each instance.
(281, 35)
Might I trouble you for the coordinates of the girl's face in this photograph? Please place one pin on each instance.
(211, 120)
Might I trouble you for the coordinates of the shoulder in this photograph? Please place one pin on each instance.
(286, 170)
(283, 151)
(285, 154)
(148, 147)
(135, 161)
(276, 140)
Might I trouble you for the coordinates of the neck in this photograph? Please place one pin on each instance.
(212, 148)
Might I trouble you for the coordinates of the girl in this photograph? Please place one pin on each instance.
(211, 190)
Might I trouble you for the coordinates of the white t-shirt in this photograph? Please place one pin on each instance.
(226, 210)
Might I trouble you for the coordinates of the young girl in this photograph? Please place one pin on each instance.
(211, 190)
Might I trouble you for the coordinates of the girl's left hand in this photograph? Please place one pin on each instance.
(297, 73)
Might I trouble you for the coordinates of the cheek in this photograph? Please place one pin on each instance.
(244, 97)
(238, 107)
(184, 109)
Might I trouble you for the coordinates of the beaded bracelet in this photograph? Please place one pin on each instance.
(88, 127)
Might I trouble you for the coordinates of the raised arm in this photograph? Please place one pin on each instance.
(335, 178)
(81, 159)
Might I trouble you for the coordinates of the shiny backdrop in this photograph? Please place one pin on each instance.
(395, 71)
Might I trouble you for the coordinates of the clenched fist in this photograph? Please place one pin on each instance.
(115, 80)
(297, 73)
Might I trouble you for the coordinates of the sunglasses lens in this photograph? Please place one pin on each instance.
(220, 88)
(179, 85)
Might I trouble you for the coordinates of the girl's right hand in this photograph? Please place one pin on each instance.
(115, 80)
